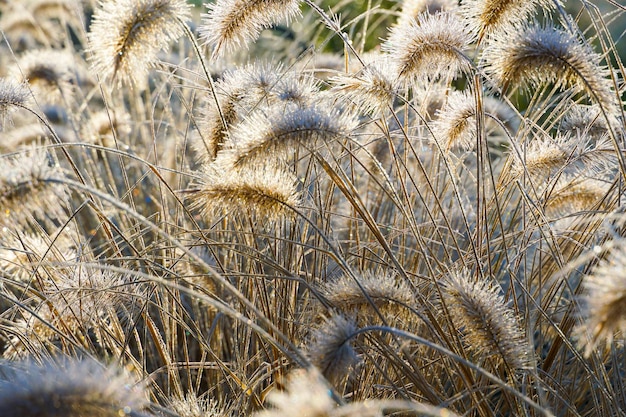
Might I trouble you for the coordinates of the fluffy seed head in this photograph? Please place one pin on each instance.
(532, 56)
(490, 328)
(587, 120)
(12, 95)
(232, 23)
(73, 389)
(331, 348)
(306, 394)
(266, 191)
(277, 133)
(126, 35)
(384, 291)
(431, 47)
(24, 190)
(572, 195)
(48, 72)
(371, 90)
(604, 300)
(490, 16)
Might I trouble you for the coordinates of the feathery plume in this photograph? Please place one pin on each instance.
(24, 190)
(279, 131)
(192, 406)
(232, 23)
(73, 389)
(12, 95)
(487, 17)
(330, 348)
(385, 291)
(77, 301)
(532, 56)
(489, 326)
(572, 195)
(582, 119)
(306, 394)
(431, 47)
(126, 35)
(48, 72)
(604, 300)
(266, 191)
(371, 90)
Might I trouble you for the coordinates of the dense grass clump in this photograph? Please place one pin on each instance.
(260, 208)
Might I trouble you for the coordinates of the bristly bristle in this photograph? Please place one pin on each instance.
(330, 348)
(268, 192)
(306, 394)
(372, 90)
(604, 300)
(12, 95)
(490, 327)
(126, 35)
(533, 56)
(279, 132)
(495, 17)
(49, 73)
(72, 389)
(25, 191)
(229, 24)
(430, 48)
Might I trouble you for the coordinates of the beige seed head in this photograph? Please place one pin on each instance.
(430, 48)
(229, 24)
(532, 56)
(489, 326)
(126, 35)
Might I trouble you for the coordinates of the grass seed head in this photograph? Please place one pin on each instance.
(126, 35)
(229, 24)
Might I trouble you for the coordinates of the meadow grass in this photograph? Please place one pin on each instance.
(260, 207)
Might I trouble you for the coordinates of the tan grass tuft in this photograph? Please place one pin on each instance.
(279, 132)
(489, 326)
(126, 35)
(12, 95)
(265, 191)
(488, 17)
(72, 389)
(229, 24)
(372, 89)
(306, 394)
(430, 48)
(604, 300)
(532, 56)
(24, 191)
(385, 291)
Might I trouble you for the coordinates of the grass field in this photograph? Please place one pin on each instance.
(326, 209)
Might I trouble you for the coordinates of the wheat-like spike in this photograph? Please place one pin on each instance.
(49, 73)
(12, 95)
(491, 17)
(572, 195)
(306, 394)
(24, 190)
(583, 119)
(371, 90)
(456, 121)
(604, 300)
(126, 35)
(266, 191)
(72, 389)
(385, 291)
(490, 328)
(283, 129)
(533, 55)
(330, 347)
(229, 24)
(194, 406)
(430, 48)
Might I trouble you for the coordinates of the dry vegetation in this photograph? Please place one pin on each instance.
(260, 208)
